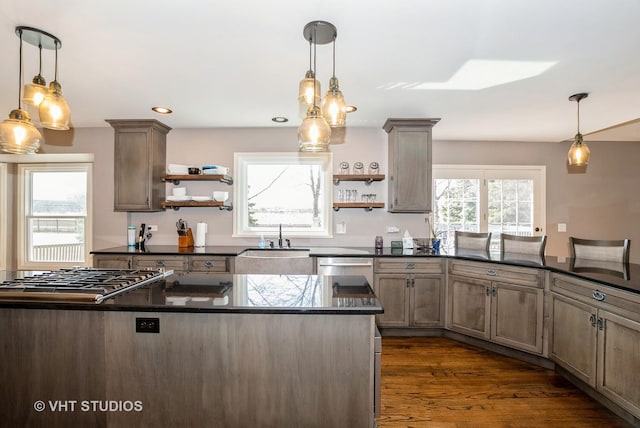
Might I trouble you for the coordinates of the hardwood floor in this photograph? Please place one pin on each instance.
(440, 383)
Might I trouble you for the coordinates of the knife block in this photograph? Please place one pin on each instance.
(186, 240)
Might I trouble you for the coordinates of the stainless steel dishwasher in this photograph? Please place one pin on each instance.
(346, 266)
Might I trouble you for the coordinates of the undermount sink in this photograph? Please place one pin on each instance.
(274, 262)
(275, 253)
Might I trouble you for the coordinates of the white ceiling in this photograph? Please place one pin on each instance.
(238, 63)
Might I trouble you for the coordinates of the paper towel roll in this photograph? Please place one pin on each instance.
(201, 232)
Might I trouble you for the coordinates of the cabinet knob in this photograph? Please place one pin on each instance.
(599, 296)
(600, 324)
(408, 282)
(592, 318)
(208, 263)
(492, 272)
(159, 262)
(410, 266)
(487, 291)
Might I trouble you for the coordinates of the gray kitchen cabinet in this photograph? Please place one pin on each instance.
(112, 261)
(411, 291)
(215, 264)
(596, 337)
(139, 164)
(503, 304)
(175, 263)
(410, 186)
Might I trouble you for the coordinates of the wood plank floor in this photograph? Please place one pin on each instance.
(440, 383)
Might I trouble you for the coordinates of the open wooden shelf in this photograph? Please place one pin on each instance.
(177, 205)
(175, 179)
(367, 178)
(368, 206)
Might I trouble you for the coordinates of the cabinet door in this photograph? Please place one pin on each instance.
(139, 163)
(573, 337)
(409, 164)
(112, 262)
(427, 300)
(619, 360)
(469, 302)
(393, 292)
(517, 316)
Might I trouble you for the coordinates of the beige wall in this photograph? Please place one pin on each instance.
(601, 203)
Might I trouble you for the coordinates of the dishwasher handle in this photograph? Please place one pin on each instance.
(369, 264)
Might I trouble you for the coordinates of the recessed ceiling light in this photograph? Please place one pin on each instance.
(350, 109)
(162, 110)
(280, 119)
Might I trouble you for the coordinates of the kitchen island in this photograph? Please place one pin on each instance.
(198, 350)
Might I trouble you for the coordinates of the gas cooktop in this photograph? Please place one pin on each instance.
(76, 284)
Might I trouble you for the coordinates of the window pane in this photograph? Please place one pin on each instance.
(284, 194)
(455, 207)
(289, 189)
(59, 193)
(56, 214)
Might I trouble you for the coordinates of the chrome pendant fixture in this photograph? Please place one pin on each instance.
(579, 153)
(314, 133)
(17, 134)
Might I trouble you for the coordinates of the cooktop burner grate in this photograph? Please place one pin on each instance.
(101, 283)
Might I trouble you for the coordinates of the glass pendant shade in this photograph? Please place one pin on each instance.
(54, 111)
(314, 133)
(18, 135)
(334, 108)
(34, 92)
(579, 152)
(307, 92)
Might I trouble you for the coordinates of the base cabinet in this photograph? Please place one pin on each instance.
(112, 261)
(499, 303)
(596, 337)
(410, 299)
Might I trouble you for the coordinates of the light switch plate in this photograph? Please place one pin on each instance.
(392, 229)
(562, 227)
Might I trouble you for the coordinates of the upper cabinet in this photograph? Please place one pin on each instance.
(139, 164)
(410, 185)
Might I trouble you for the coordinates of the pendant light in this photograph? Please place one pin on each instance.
(34, 92)
(334, 108)
(17, 134)
(309, 89)
(579, 152)
(314, 133)
(54, 110)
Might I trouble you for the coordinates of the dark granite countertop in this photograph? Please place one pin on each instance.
(227, 293)
(618, 275)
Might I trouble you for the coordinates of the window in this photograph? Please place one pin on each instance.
(492, 199)
(288, 189)
(54, 218)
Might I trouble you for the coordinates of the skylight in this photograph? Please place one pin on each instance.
(478, 74)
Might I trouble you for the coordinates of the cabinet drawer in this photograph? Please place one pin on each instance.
(177, 263)
(495, 272)
(598, 295)
(408, 265)
(209, 264)
(112, 262)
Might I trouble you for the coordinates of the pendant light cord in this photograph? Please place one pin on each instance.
(40, 67)
(55, 75)
(334, 57)
(315, 43)
(578, 116)
(20, 76)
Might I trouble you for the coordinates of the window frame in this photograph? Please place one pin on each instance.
(24, 196)
(537, 173)
(243, 159)
(4, 214)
